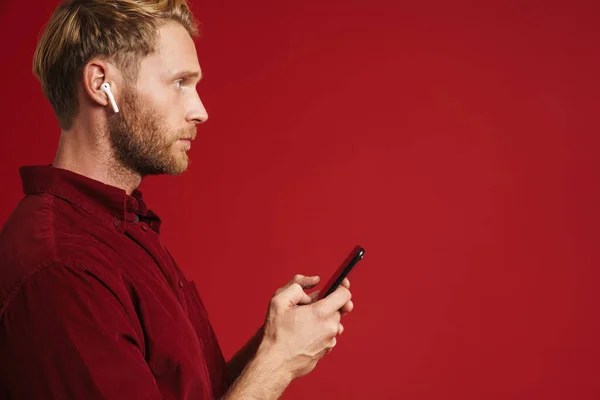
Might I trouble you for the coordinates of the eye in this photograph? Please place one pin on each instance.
(179, 83)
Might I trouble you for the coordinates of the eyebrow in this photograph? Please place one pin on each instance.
(189, 74)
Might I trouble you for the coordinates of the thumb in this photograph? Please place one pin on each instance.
(294, 294)
(335, 300)
(307, 282)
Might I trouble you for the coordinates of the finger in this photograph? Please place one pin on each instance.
(337, 317)
(330, 345)
(307, 282)
(335, 300)
(294, 294)
(307, 300)
(314, 296)
(346, 283)
(348, 307)
(340, 329)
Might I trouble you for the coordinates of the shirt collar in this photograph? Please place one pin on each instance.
(110, 204)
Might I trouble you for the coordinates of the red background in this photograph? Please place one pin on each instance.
(458, 143)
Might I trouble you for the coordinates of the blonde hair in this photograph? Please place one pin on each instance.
(120, 31)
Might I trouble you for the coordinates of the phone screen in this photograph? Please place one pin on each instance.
(336, 279)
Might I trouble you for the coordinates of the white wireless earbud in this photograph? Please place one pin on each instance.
(105, 87)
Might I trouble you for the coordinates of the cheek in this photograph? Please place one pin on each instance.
(166, 106)
(160, 102)
(156, 95)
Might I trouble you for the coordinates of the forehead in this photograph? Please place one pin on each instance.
(175, 51)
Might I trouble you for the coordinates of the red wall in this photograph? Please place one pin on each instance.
(459, 144)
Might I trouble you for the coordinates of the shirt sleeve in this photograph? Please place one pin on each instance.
(66, 335)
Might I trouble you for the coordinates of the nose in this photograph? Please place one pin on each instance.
(197, 113)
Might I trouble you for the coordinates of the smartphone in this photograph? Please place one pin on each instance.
(336, 279)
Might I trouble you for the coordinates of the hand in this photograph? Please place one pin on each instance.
(299, 330)
(308, 282)
(348, 307)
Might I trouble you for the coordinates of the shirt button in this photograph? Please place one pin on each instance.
(116, 222)
(180, 283)
(132, 204)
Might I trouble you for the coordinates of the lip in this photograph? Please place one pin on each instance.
(186, 142)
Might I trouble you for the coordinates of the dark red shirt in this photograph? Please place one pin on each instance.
(92, 305)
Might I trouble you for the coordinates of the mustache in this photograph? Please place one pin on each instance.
(188, 133)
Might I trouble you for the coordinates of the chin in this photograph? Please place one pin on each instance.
(177, 165)
(179, 168)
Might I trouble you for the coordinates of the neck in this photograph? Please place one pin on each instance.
(87, 151)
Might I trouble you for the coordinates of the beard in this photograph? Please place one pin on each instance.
(141, 141)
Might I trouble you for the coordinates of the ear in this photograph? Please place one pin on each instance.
(95, 73)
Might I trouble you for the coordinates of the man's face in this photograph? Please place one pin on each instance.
(159, 113)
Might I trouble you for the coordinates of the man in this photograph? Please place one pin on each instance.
(92, 305)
